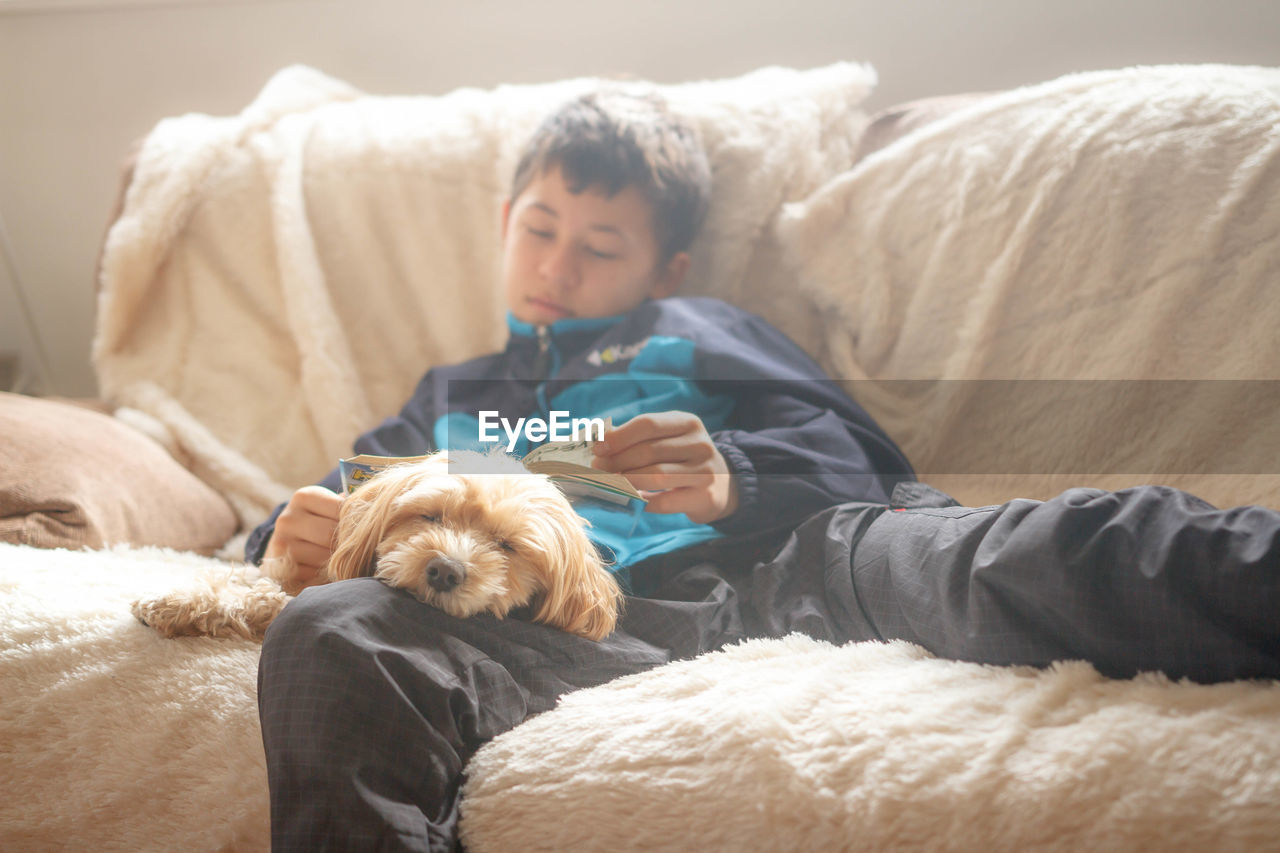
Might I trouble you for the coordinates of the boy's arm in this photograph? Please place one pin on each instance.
(743, 480)
(794, 442)
(798, 448)
(793, 453)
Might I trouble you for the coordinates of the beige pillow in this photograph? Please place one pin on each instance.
(71, 477)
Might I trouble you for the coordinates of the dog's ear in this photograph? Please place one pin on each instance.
(362, 522)
(581, 596)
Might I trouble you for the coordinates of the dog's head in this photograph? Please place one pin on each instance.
(491, 539)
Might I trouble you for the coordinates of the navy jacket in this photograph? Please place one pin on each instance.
(793, 439)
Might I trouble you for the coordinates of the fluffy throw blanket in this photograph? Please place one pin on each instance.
(113, 737)
(116, 739)
(794, 744)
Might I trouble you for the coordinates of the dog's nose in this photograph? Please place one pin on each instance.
(445, 573)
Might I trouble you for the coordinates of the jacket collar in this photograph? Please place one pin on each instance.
(569, 337)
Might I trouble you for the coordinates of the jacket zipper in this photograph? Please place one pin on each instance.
(542, 368)
(543, 362)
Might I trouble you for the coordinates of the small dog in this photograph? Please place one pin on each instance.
(486, 541)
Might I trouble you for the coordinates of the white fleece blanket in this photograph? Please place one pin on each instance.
(795, 744)
(279, 280)
(113, 738)
(116, 739)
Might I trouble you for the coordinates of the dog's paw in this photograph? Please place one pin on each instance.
(225, 611)
(171, 615)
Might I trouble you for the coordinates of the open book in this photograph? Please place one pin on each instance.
(566, 463)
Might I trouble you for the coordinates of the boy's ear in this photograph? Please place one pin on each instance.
(506, 215)
(671, 276)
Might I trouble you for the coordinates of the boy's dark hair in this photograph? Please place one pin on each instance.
(613, 139)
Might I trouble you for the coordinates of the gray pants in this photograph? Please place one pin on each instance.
(372, 703)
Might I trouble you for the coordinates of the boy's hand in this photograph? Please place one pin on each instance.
(672, 454)
(305, 532)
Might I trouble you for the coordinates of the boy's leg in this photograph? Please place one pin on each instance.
(1149, 578)
(371, 703)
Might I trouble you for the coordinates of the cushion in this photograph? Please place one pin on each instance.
(1120, 227)
(796, 744)
(346, 242)
(71, 477)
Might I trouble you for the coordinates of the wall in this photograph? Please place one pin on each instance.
(80, 80)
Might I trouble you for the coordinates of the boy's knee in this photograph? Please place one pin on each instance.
(322, 610)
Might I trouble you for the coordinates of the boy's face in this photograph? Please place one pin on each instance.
(581, 255)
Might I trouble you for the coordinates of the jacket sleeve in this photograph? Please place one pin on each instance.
(407, 434)
(794, 440)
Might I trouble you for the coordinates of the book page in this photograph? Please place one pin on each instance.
(564, 452)
(569, 464)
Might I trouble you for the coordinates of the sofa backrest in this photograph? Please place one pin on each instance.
(1077, 277)
(278, 280)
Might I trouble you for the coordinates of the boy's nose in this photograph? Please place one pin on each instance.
(560, 267)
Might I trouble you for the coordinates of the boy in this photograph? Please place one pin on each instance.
(594, 234)
(770, 513)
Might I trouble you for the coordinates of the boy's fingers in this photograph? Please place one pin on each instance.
(318, 500)
(306, 530)
(657, 478)
(667, 502)
(685, 449)
(641, 458)
(306, 526)
(647, 428)
(310, 558)
(697, 503)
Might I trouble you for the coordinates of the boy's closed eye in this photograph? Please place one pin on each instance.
(604, 254)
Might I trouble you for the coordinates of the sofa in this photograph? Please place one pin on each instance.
(1070, 283)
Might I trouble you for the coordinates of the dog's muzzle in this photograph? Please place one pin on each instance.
(445, 574)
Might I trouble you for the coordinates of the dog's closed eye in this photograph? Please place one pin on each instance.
(431, 519)
(506, 546)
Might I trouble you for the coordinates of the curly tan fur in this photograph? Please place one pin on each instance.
(506, 539)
